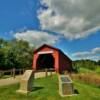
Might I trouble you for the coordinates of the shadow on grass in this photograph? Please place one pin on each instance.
(36, 88)
(76, 91)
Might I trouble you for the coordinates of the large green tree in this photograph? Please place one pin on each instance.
(98, 62)
(15, 54)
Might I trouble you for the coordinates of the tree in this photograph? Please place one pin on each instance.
(98, 63)
(15, 53)
(89, 64)
(1, 58)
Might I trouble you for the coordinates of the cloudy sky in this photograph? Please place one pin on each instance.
(70, 25)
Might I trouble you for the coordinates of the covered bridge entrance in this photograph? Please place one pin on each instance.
(45, 61)
(49, 57)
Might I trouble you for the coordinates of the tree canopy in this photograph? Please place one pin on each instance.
(89, 64)
(15, 54)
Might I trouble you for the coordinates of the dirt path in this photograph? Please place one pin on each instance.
(9, 81)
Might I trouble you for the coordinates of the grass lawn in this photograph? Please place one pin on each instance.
(85, 70)
(98, 70)
(47, 89)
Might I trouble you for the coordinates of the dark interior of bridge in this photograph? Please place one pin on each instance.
(45, 61)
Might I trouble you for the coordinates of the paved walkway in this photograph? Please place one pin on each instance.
(9, 81)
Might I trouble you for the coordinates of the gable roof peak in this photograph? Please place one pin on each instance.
(45, 45)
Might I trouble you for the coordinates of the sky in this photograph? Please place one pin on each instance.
(70, 25)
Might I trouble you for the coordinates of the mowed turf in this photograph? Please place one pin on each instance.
(47, 89)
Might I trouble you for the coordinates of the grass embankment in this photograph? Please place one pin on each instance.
(47, 89)
(85, 70)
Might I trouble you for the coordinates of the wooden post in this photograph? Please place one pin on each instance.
(14, 73)
(50, 71)
(70, 74)
(65, 72)
(0, 73)
(23, 70)
(46, 72)
(20, 71)
(11, 72)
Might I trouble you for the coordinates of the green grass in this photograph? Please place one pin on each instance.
(85, 70)
(47, 89)
(97, 70)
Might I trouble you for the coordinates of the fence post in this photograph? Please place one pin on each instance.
(51, 73)
(0, 73)
(23, 70)
(14, 72)
(11, 72)
(65, 72)
(20, 70)
(46, 72)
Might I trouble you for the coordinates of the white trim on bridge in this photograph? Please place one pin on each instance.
(45, 52)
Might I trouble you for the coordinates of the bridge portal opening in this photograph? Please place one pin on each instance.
(45, 61)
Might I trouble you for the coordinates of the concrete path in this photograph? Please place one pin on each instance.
(9, 81)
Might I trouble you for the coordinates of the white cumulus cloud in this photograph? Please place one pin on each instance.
(73, 19)
(36, 37)
(92, 54)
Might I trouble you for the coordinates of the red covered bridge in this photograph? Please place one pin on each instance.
(47, 56)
